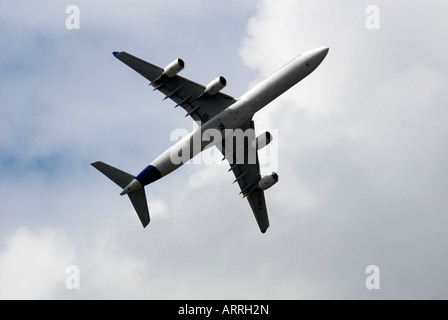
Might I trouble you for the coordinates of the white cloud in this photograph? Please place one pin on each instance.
(33, 263)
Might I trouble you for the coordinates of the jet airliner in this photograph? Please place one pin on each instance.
(219, 116)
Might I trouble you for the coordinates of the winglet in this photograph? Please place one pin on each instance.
(115, 53)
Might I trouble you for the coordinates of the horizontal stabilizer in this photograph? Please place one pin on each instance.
(138, 199)
(116, 175)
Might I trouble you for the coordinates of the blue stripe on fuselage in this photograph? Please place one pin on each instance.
(149, 175)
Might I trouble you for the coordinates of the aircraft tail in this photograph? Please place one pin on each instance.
(123, 179)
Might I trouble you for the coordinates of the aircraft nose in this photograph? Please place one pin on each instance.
(318, 55)
(322, 52)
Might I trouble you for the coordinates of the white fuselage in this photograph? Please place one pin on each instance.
(244, 108)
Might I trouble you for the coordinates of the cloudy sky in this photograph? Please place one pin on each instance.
(362, 152)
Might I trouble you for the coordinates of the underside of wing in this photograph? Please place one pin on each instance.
(247, 174)
(185, 93)
(258, 205)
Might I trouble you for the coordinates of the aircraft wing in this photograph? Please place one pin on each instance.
(184, 92)
(248, 175)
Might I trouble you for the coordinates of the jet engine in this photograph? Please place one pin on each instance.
(268, 181)
(262, 140)
(174, 68)
(216, 85)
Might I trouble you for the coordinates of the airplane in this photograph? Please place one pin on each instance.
(220, 115)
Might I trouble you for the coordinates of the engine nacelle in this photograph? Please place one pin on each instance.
(268, 181)
(174, 68)
(216, 85)
(262, 140)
